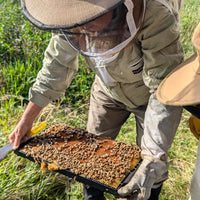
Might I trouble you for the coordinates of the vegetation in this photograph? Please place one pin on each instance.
(21, 53)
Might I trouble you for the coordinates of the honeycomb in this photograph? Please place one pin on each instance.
(85, 154)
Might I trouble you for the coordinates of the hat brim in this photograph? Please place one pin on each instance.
(181, 86)
(67, 13)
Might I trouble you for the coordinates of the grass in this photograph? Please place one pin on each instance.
(189, 19)
(21, 53)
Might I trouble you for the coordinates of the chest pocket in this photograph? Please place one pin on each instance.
(126, 70)
(128, 66)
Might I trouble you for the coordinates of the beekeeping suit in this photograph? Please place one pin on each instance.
(131, 45)
(186, 78)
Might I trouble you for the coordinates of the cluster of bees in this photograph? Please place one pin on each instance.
(84, 154)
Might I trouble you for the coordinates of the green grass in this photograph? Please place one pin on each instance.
(21, 54)
(190, 16)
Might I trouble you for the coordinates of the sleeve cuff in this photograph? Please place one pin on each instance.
(38, 99)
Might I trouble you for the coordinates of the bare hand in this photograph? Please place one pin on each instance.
(25, 124)
(20, 133)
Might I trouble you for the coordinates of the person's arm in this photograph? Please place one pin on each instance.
(59, 65)
(161, 53)
(160, 125)
(161, 47)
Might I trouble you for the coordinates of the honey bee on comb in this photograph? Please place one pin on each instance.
(102, 159)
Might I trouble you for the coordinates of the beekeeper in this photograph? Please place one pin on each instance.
(131, 45)
(181, 88)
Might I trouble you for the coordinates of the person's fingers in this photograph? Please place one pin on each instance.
(129, 188)
(19, 134)
(145, 190)
(17, 140)
(12, 137)
(25, 138)
(144, 194)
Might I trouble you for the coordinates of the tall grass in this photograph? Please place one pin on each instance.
(22, 48)
(21, 54)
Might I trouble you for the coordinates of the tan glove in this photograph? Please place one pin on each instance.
(194, 124)
(149, 173)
